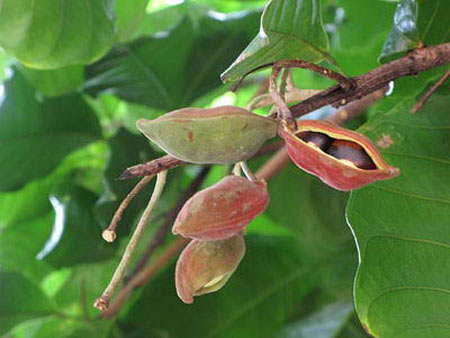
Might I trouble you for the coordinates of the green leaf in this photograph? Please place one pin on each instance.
(166, 19)
(49, 34)
(290, 29)
(323, 324)
(37, 134)
(417, 22)
(255, 302)
(358, 30)
(194, 53)
(129, 17)
(401, 225)
(20, 300)
(20, 245)
(76, 235)
(55, 82)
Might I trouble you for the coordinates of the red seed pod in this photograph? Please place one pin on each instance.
(341, 158)
(205, 266)
(222, 210)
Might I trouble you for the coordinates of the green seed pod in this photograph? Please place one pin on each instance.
(222, 135)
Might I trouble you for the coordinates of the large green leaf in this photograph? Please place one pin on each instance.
(172, 70)
(55, 82)
(20, 300)
(290, 29)
(50, 34)
(401, 225)
(129, 17)
(37, 134)
(417, 22)
(257, 299)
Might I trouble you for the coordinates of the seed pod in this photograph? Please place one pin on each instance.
(341, 158)
(205, 266)
(222, 210)
(213, 135)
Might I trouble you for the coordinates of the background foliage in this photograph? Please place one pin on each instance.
(76, 76)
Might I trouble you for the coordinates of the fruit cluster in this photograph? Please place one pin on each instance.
(215, 218)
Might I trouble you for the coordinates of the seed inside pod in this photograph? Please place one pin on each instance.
(352, 152)
(320, 140)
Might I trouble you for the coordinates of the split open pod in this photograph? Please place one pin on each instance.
(205, 266)
(341, 158)
(222, 135)
(222, 210)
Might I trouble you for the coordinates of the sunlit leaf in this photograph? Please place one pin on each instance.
(290, 29)
(129, 17)
(50, 34)
(417, 23)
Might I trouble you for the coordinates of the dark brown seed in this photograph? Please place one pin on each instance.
(353, 152)
(321, 140)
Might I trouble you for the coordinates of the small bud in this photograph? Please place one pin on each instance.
(222, 210)
(109, 235)
(223, 135)
(205, 266)
(341, 158)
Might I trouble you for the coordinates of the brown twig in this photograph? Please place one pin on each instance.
(283, 111)
(274, 165)
(353, 109)
(344, 81)
(168, 162)
(109, 234)
(417, 61)
(102, 302)
(164, 229)
(142, 276)
(419, 104)
(152, 167)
